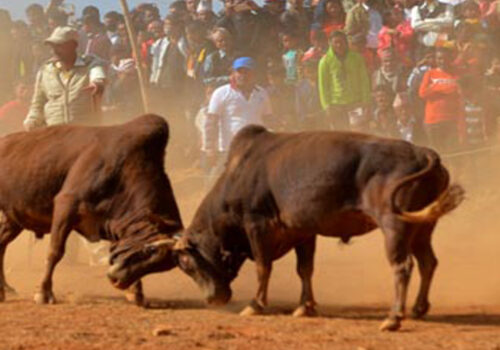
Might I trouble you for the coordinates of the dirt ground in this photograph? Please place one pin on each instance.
(353, 286)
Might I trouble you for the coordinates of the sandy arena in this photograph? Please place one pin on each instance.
(353, 285)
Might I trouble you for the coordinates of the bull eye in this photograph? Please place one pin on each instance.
(150, 249)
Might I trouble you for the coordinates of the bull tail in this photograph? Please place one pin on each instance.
(447, 201)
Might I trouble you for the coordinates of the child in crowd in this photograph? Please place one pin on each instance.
(319, 46)
(405, 120)
(291, 57)
(444, 114)
(308, 106)
(384, 117)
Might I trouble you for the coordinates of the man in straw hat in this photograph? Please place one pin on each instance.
(67, 86)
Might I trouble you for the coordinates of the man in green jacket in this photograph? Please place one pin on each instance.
(344, 85)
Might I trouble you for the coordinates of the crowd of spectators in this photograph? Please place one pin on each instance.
(425, 71)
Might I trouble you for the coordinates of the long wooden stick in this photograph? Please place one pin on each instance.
(133, 43)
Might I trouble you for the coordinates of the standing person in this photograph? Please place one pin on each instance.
(397, 33)
(291, 57)
(37, 22)
(23, 56)
(391, 73)
(97, 43)
(7, 45)
(363, 20)
(232, 107)
(297, 18)
(344, 84)
(444, 112)
(432, 22)
(198, 49)
(111, 21)
(217, 65)
(329, 17)
(168, 66)
(307, 103)
(67, 86)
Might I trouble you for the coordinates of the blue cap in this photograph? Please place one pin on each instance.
(243, 62)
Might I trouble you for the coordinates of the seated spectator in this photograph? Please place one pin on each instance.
(309, 113)
(444, 112)
(13, 112)
(397, 33)
(432, 22)
(291, 57)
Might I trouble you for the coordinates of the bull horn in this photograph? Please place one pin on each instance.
(171, 242)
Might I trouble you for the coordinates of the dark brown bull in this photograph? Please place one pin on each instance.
(278, 191)
(103, 182)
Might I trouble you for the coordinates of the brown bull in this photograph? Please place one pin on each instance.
(278, 191)
(103, 182)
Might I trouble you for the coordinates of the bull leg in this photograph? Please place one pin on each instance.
(397, 250)
(8, 232)
(263, 262)
(64, 214)
(135, 294)
(305, 268)
(427, 263)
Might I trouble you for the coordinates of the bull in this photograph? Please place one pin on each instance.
(102, 182)
(278, 191)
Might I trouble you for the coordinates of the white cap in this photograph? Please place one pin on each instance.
(62, 35)
(204, 6)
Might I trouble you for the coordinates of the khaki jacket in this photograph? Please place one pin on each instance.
(62, 97)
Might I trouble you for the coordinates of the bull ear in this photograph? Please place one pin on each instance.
(166, 226)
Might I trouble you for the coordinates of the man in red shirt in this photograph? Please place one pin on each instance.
(444, 108)
(12, 113)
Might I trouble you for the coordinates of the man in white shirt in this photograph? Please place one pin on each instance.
(232, 107)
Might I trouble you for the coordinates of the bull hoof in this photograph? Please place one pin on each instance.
(305, 311)
(44, 298)
(420, 310)
(390, 325)
(251, 310)
(135, 298)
